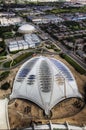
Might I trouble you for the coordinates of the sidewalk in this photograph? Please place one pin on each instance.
(4, 122)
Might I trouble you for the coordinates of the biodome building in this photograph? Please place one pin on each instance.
(26, 28)
(45, 82)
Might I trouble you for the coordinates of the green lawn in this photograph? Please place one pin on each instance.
(67, 10)
(74, 64)
(18, 59)
(4, 75)
(3, 53)
(2, 58)
(7, 35)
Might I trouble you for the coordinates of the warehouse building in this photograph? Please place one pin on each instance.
(45, 19)
(30, 41)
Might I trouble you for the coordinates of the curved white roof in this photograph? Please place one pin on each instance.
(44, 81)
(26, 28)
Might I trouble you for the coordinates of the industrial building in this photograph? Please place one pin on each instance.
(45, 19)
(6, 14)
(30, 41)
(6, 21)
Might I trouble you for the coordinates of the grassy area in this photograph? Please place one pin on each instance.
(57, 50)
(2, 58)
(53, 47)
(7, 64)
(3, 53)
(73, 63)
(18, 59)
(67, 10)
(8, 35)
(4, 75)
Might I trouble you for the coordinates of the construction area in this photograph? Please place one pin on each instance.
(22, 113)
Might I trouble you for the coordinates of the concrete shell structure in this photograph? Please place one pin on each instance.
(26, 28)
(46, 82)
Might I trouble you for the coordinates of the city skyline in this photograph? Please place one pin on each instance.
(22, 1)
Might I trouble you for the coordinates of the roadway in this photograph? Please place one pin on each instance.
(65, 50)
(73, 56)
(56, 43)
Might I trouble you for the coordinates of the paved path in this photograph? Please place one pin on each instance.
(4, 122)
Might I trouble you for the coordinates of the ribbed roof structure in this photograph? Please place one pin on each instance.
(44, 81)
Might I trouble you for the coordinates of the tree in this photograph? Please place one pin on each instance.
(5, 86)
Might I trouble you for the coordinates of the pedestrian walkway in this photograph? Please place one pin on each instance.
(4, 122)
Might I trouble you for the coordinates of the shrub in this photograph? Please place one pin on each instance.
(3, 53)
(5, 86)
(77, 67)
(4, 75)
